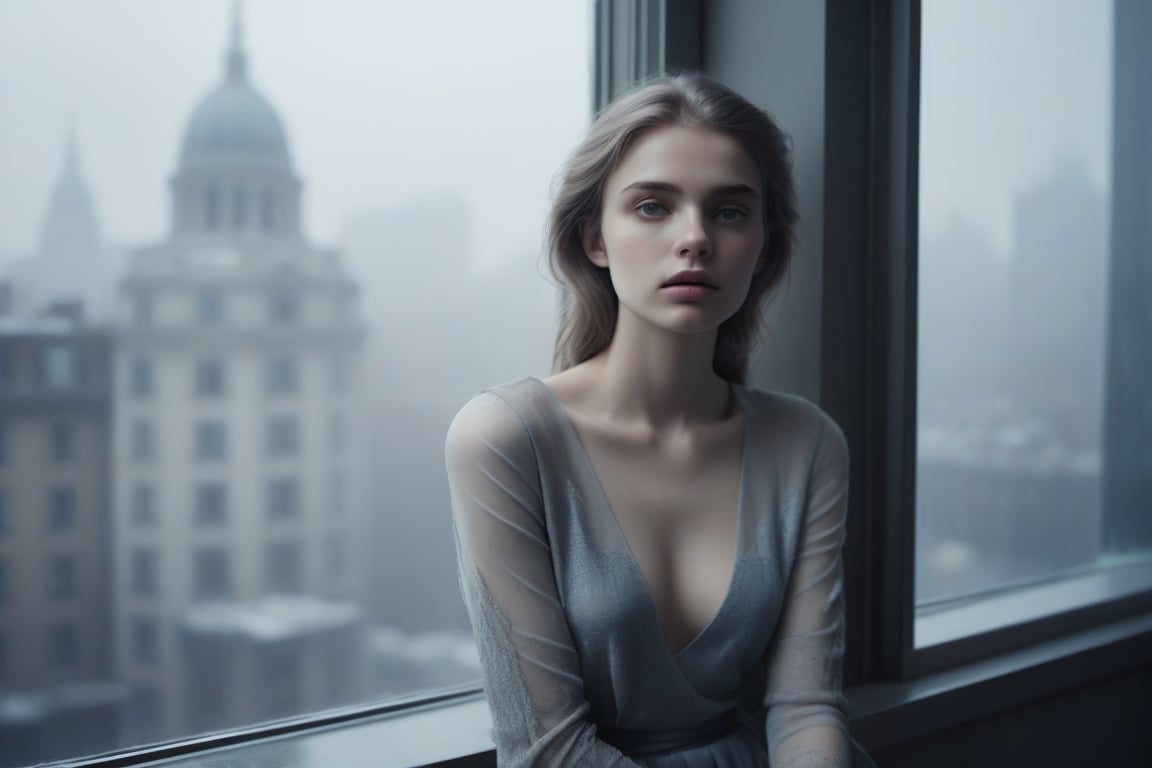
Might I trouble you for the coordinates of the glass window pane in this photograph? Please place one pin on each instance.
(210, 378)
(140, 377)
(301, 254)
(143, 513)
(1035, 372)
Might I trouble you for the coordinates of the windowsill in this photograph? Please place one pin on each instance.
(884, 714)
(454, 729)
(1022, 605)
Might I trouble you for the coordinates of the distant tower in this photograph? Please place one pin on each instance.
(69, 264)
(237, 347)
(1128, 416)
(70, 229)
(1058, 299)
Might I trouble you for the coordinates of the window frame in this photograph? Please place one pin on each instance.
(869, 345)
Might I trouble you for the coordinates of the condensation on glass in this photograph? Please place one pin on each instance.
(1034, 439)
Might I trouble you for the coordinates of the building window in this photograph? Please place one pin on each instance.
(143, 444)
(61, 441)
(211, 573)
(61, 509)
(282, 436)
(284, 567)
(61, 577)
(211, 503)
(282, 376)
(143, 510)
(283, 498)
(59, 368)
(283, 307)
(145, 640)
(211, 441)
(209, 308)
(63, 646)
(210, 378)
(142, 572)
(140, 382)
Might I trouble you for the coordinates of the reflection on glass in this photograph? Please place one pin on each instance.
(1025, 346)
(233, 331)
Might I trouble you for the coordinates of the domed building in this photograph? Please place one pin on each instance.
(236, 483)
(235, 170)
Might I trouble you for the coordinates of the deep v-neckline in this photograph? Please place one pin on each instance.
(569, 427)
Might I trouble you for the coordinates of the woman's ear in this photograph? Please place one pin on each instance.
(593, 242)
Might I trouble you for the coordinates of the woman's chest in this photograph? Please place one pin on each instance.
(677, 511)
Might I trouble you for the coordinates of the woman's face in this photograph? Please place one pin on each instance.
(681, 229)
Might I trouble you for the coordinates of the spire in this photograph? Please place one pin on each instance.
(237, 67)
(69, 227)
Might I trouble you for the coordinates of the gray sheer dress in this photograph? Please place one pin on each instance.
(575, 666)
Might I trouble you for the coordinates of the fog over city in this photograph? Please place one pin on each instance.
(383, 103)
(255, 255)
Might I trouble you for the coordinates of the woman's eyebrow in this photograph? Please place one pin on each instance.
(664, 186)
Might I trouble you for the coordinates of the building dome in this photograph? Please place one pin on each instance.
(234, 174)
(234, 124)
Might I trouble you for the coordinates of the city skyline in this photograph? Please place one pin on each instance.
(983, 150)
(408, 121)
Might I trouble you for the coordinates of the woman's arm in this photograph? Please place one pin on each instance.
(806, 723)
(530, 665)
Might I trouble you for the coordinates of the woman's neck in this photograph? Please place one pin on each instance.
(658, 379)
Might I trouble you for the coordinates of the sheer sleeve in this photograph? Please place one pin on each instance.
(806, 724)
(531, 668)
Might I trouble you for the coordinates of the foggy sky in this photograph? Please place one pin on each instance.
(382, 102)
(385, 101)
(1011, 91)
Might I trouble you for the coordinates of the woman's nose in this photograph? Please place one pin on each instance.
(693, 240)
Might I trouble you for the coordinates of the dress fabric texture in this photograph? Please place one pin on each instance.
(575, 666)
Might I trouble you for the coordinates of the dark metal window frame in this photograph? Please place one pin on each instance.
(869, 346)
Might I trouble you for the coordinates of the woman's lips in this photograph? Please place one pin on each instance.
(688, 290)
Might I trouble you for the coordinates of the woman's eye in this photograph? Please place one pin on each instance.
(731, 214)
(650, 209)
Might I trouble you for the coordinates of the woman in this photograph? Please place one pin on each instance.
(649, 550)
